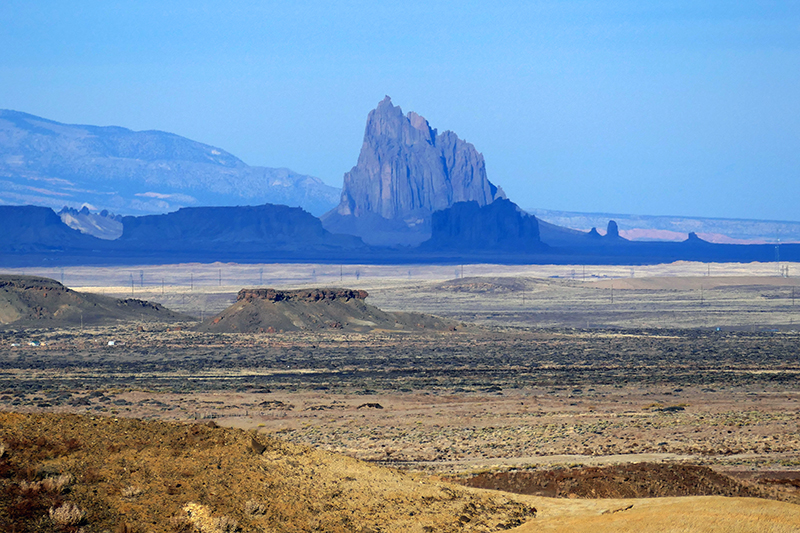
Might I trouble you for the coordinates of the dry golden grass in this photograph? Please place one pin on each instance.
(707, 514)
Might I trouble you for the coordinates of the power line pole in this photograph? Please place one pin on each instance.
(191, 281)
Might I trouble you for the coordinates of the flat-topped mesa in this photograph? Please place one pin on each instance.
(301, 295)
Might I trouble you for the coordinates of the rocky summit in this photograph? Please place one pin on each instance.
(405, 172)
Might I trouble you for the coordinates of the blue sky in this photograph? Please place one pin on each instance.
(664, 108)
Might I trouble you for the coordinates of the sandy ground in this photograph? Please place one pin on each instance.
(680, 294)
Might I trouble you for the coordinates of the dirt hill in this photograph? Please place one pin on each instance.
(31, 300)
(126, 475)
(273, 311)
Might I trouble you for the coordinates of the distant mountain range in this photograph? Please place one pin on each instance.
(43, 162)
(414, 196)
(676, 228)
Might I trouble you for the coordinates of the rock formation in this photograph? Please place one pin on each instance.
(28, 228)
(257, 228)
(277, 311)
(499, 226)
(32, 300)
(405, 172)
(301, 295)
(612, 231)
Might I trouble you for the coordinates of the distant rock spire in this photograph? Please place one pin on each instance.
(612, 230)
(407, 169)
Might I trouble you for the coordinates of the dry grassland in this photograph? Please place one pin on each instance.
(681, 294)
(644, 376)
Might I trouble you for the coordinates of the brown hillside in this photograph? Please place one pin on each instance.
(272, 311)
(637, 480)
(31, 300)
(134, 476)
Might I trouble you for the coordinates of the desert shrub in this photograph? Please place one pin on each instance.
(30, 488)
(67, 514)
(223, 524)
(255, 508)
(131, 491)
(56, 483)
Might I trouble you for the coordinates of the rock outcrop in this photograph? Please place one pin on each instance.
(499, 226)
(301, 295)
(252, 228)
(405, 172)
(278, 311)
(32, 300)
(28, 228)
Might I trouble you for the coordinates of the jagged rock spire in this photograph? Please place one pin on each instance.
(407, 169)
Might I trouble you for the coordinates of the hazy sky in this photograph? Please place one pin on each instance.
(668, 107)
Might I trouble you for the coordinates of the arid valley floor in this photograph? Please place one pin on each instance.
(608, 382)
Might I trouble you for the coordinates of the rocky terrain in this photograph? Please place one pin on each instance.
(271, 311)
(46, 163)
(27, 301)
(467, 226)
(406, 170)
(232, 229)
(525, 411)
(30, 229)
(103, 225)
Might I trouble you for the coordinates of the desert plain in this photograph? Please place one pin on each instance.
(569, 385)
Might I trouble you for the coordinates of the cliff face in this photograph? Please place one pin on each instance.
(501, 226)
(27, 228)
(245, 227)
(406, 171)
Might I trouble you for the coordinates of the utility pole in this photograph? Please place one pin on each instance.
(162, 286)
(191, 281)
(261, 276)
(341, 272)
(702, 295)
(219, 273)
(141, 278)
(612, 293)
